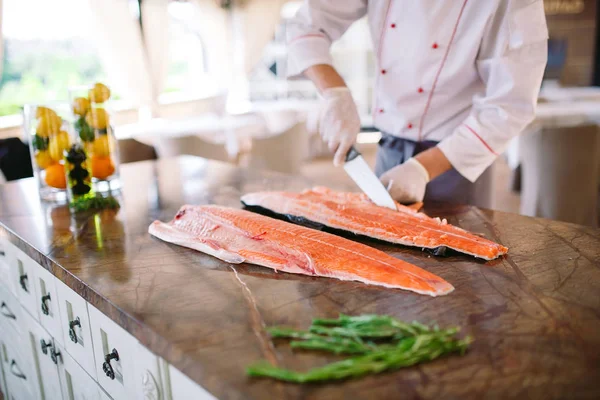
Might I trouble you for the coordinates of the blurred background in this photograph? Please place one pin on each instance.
(207, 78)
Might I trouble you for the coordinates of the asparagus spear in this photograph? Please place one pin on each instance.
(311, 341)
(373, 326)
(398, 345)
(409, 351)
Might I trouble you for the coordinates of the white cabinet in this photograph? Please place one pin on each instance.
(47, 300)
(183, 388)
(20, 371)
(152, 375)
(114, 351)
(54, 345)
(75, 382)
(75, 324)
(45, 354)
(3, 385)
(22, 273)
(103, 395)
(5, 277)
(11, 319)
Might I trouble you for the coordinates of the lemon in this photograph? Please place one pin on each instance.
(89, 148)
(101, 146)
(43, 159)
(58, 143)
(48, 124)
(81, 105)
(99, 93)
(44, 111)
(97, 118)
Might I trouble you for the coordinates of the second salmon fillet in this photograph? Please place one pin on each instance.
(238, 236)
(353, 212)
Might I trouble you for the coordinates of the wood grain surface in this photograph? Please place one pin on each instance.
(534, 314)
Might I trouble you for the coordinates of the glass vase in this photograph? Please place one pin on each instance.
(49, 134)
(91, 113)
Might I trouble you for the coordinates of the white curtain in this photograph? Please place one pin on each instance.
(136, 64)
(214, 24)
(155, 27)
(260, 19)
(1, 42)
(235, 39)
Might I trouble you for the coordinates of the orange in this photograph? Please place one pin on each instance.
(97, 118)
(99, 93)
(55, 176)
(81, 105)
(102, 167)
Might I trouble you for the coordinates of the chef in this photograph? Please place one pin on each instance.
(455, 81)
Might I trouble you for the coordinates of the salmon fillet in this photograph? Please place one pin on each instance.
(238, 236)
(355, 213)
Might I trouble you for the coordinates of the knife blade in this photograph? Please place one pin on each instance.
(360, 172)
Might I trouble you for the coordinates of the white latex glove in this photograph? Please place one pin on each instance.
(339, 122)
(406, 182)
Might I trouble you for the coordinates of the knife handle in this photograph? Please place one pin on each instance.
(352, 154)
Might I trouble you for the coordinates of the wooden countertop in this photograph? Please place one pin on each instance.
(535, 314)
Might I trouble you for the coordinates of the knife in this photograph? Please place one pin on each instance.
(367, 181)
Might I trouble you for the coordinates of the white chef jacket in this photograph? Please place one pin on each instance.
(466, 73)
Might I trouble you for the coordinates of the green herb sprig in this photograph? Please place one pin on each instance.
(391, 344)
(95, 203)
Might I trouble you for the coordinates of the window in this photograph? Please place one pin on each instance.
(48, 49)
(188, 70)
(352, 57)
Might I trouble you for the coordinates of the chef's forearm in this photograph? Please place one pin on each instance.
(434, 161)
(324, 77)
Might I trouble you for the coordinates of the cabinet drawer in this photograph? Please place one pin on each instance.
(75, 324)
(75, 382)
(22, 273)
(11, 319)
(114, 351)
(20, 371)
(3, 385)
(183, 388)
(151, 374)
(47, 300)
(5, 278)
(46, 355)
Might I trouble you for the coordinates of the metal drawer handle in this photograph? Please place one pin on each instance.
(22, 280)
(54, 354)
(72, 325)
(19, 374)
(45, 346)
(7, 313)
(45, 308)
(108, 369)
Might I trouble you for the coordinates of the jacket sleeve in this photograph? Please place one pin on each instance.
(315, 26)
(511, 63)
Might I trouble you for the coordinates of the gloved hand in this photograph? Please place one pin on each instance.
(339, 122)
(406, 182)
